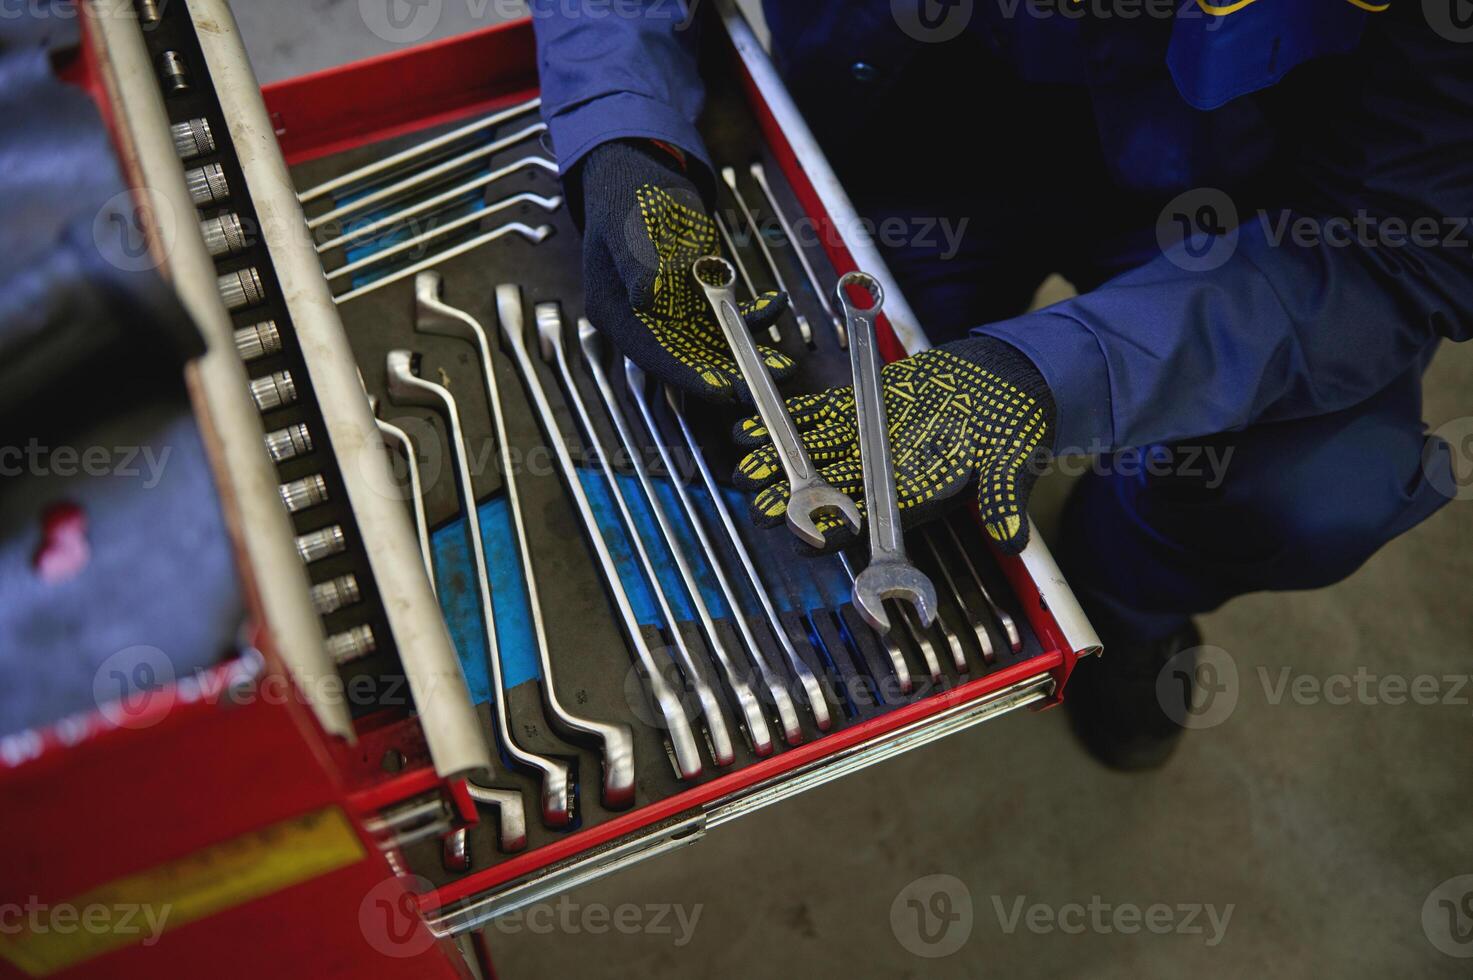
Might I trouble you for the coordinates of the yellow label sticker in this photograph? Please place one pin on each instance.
(44, 938)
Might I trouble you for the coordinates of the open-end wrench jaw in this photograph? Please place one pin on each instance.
(897, 580)
(809, 495)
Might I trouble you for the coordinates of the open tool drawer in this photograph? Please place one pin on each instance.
(410, 770)
(345, 118)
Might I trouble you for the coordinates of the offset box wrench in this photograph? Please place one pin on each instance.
(730, 243)
(728, 174)
(759, 735)
(550, 334)
(426, 176)
(395, 437)
(897, 658)
(759, 174)
(433, 315)
(1015, 639)
(683, 748)
(395, 160)
(360, 233)
(776, 688)
(812, 690)
(890, 574)
(984, 638)
(809, 494)
(408, 388)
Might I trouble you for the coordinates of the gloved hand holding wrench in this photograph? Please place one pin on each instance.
(809, 495)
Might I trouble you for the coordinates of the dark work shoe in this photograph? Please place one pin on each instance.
(1127, 706)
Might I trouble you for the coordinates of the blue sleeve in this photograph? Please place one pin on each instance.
(613, 71)
(1365, 262)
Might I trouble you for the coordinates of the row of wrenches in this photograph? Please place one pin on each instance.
(687, 706)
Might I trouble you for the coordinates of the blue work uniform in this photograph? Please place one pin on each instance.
(1265, 206)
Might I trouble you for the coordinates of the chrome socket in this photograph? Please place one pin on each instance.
(352, 644)
(193, 138)
(274, 391)
(258, 340)
(334, 594)
(223, 236)
(321, 543)
(309, 491)
(241, 288)
(288, 443)
(207, 185)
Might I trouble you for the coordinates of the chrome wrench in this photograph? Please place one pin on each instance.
(728, 174)
(408, 388)
(434, 316)
(812, 690)
(773, 682)
(395, 436)
(772, 330)
(809, 493)
(759, 174)
(890, 574)
(550, 333)
(984, 638)
(736, 677)
(534, 235)
(684, 751)
(1015, 639)
(892, 649)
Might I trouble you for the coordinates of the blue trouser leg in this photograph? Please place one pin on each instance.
(1297, 505)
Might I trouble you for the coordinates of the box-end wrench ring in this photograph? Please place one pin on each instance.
(890, 574)
(810, 495)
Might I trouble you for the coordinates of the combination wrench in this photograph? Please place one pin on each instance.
(550, 334)
(979, 628)
(407, 387)
(759, 174)
(776, 689)
(809, 493)
(730, 243)
(758, 733)
(1015, 639)
(728, 174)
(892, 649)
(685, 754)
(889, 574)
(434, 316)
(812, 690)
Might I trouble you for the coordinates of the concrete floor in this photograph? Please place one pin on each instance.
(1323, 828)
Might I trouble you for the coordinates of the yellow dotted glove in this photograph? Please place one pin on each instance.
(974, 413)
(645, 226)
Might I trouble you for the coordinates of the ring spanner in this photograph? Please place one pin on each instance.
(889, 575)
(406, 387)
(434, 316)
(683, 749)
(810, 494)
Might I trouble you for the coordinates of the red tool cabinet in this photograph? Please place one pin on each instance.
(269, 839)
